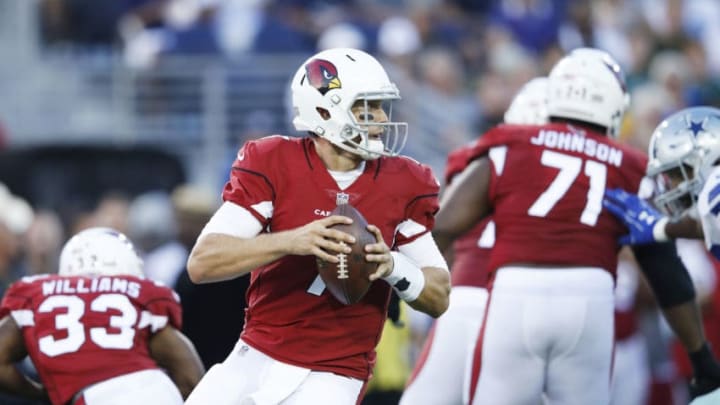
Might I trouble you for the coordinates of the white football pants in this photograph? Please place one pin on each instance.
(441, 376)
(141, 387)
(250, 377)
(548, 331)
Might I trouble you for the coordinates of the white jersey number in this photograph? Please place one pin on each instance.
(569, 167)
(101, 336)
(317, 287)
(487, 238)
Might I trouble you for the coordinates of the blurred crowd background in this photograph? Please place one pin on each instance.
(128, 113)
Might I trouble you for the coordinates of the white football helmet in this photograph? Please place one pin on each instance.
(332, 81)
(529, 106)
(588, 85)
(683, 150)
(100, 251)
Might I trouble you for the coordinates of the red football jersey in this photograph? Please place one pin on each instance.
(290, 315)
(83, 330)
(547, 187)
(471, 251)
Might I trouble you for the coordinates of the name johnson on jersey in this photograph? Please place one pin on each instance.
(577, 142)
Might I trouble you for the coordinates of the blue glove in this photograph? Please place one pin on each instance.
(638, 215)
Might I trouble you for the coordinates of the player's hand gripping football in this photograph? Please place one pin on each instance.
(379, 253)
(640, 217)
(319, 239)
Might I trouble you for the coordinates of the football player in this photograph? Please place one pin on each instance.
(684, 150)
(97, 332)
(548, 328)
(440, 374)
(299, 344)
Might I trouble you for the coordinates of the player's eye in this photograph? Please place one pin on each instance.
(366, 117)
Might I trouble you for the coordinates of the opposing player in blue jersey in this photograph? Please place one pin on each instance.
(684, 151)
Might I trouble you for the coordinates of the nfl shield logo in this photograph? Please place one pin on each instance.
(342, 198)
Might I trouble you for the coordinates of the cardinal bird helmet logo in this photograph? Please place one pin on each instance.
(322, 75)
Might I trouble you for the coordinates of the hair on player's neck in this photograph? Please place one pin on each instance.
(594, 127)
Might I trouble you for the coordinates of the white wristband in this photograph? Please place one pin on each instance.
(406, 278)
(659, 230)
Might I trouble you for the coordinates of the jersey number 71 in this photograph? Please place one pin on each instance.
(570, 167)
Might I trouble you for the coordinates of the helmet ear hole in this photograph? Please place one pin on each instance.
(325, 114)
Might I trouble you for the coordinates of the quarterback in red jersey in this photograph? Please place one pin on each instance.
(299, 344)
(98, 332)
(440, 375)
(548, 329)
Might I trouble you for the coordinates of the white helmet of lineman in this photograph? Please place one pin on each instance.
(529, 106)
(324, 90)
(100, 251)
(683, 150)
(588, 85)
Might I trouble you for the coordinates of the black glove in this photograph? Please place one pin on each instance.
(706, 372)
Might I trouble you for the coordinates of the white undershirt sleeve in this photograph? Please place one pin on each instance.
(234, 220)
(424, 252)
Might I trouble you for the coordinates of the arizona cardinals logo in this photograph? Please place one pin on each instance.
(322, 75)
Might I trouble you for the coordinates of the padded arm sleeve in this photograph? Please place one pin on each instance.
(665, 273)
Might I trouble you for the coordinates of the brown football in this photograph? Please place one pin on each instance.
(347, 280)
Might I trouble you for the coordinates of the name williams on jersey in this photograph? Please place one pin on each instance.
(91, 285)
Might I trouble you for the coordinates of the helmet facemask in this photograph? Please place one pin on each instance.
(677, 188)
(368, 135)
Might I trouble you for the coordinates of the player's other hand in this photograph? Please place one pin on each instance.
(320, 239)
(642, 219)
(379, 253)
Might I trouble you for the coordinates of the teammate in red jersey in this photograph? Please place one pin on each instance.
(440, 375)
(98, 332)
(300, 345)
(548, 327)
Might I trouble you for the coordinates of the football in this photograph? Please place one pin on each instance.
(347, 280)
